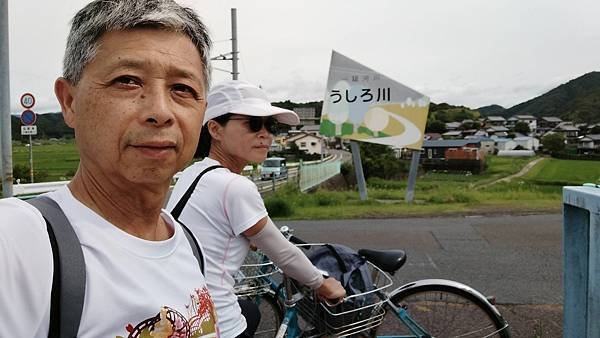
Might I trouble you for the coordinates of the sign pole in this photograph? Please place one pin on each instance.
(412, 176)
(30, 160)
(360, 177)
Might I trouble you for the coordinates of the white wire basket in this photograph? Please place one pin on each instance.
(253, 277)
(358, 313)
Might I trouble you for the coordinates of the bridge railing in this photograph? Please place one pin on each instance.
(314, 174)
(581, 245)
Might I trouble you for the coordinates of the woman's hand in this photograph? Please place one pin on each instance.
(331, 290)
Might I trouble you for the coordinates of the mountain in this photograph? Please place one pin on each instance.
(577, 100)
(491, 110)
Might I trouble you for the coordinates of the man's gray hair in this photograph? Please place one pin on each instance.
(101, 16)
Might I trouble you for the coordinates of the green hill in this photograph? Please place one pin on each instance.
(48, 125)
(491, 110)
(577, 100)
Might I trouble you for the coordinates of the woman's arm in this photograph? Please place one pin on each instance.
(265, 235)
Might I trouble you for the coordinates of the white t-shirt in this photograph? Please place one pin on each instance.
(132, 285)
(220, 209)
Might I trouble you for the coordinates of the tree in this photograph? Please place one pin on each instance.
(522, 128)
(379, 161)
(554, 142)
(435, 126)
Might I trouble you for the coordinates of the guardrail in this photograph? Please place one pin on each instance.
(315, 174)
(28, 190)
(581, 245)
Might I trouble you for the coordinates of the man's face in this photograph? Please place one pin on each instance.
(138, 108)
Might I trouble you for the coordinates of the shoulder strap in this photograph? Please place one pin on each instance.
(68, 281)
(337, 256)
(195, 246)
(176, 212)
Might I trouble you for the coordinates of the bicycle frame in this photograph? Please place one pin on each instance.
(290, 327)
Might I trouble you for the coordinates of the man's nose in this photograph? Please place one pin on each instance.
(156, 107)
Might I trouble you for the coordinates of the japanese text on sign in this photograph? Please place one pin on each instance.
(382, 94)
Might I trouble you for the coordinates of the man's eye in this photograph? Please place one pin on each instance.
(185, 90)
(127, 80)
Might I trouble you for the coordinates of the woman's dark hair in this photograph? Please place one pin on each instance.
(205, 139)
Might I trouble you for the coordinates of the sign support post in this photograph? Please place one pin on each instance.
(30, 160)
(358, 169)
(412, 176)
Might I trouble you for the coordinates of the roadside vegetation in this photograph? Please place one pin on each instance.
(436, 193)
(443, 193)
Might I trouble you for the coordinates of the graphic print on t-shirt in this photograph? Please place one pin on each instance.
(201, 321)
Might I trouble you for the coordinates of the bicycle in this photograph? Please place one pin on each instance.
(419, 309)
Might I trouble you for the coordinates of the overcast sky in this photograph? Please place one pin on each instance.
(464, 52)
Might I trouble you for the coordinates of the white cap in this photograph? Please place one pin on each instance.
(240, 97)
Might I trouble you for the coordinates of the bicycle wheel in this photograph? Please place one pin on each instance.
(271, 315)
(444, 309)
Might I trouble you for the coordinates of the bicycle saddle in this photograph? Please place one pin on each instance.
(387, 260)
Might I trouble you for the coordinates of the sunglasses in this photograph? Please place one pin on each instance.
(256, 123)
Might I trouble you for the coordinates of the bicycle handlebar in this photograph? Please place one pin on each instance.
(297, 240)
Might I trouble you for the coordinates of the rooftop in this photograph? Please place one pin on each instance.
(448, 143)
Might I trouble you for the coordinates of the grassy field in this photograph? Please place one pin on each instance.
(565, 172)
(446, 193)
(52, 161)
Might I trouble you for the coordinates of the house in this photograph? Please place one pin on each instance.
(589, 144)
(311, 129)
(436, 149)
(510, 123)
(452, 126)
(486, 144)
(454, 134)
(499, 131)
(307, 115)
(529, 119)
(494, 121)
(461, 155)
(309, 143)
(275, 146)
(432, 136)
(527, 142)
(504, 144)
(548, 122)
(567, 129)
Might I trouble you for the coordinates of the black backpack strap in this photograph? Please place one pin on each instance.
(176, 212)
(68, 281)
(195, 246)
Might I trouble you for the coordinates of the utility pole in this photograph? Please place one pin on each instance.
(5, 130)
(234, 46)
(234, 49)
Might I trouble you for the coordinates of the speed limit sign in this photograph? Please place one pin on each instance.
(27, 100)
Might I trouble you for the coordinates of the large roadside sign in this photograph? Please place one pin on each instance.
(364, 105)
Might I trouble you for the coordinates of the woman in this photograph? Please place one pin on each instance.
(225, 210)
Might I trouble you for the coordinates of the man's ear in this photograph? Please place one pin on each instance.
(63, 89)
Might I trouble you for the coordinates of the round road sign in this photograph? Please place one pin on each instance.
(28, 118)
(27, 100)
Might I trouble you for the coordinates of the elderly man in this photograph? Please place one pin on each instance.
(135, 78)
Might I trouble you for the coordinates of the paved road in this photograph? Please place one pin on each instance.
(516, 258)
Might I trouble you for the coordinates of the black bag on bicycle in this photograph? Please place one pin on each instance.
(347, 266)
